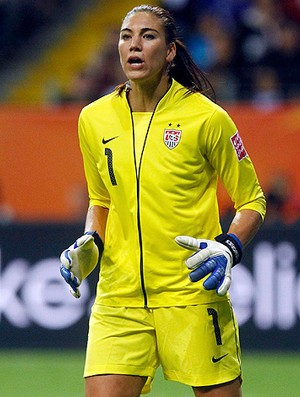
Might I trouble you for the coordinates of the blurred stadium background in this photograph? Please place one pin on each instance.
(58, 55)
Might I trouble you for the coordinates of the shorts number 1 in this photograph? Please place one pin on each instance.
(214, 314)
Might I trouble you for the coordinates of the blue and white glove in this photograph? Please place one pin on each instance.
(80, 259)
(215, 257)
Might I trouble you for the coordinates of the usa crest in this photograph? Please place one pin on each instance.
(172, 138)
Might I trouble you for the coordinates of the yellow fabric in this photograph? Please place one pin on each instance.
(141, 122)
(185, 337)
(169, 191)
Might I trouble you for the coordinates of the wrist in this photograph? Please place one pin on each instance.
(98, 241)
(232, 242)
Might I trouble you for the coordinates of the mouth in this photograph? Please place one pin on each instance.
(135, 61)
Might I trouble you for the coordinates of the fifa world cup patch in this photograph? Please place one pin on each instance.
(172, 138)
(238, 146)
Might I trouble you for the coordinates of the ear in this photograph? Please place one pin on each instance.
(171, 52)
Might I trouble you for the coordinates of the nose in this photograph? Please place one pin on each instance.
(135, 44)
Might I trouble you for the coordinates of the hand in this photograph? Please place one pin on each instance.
(79, 260)
(73, 281)
(215, 257)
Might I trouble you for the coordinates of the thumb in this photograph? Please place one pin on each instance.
(85, 242)
(65, 259)
(187, 242)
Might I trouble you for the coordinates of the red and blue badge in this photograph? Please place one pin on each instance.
(238, 146)
(172, 138)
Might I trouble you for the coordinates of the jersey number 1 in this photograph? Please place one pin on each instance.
(109, 154)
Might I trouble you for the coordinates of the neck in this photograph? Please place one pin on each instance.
(143, 97)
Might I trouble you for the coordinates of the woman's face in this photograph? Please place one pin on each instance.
(144, 53)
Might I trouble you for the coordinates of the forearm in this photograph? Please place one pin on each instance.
(245, 225)
(96, 220)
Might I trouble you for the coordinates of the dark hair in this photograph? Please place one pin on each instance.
(183, 69)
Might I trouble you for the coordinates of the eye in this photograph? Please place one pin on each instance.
(125, 36)
(149, 36)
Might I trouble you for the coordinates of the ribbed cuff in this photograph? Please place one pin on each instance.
(233, 243)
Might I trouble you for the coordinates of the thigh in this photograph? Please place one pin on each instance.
(229, 389)
(114, 386)
(199, 345)
(121, 341)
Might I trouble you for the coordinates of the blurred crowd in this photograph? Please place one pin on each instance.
(249, 50)
(20, 20)
(283, 201)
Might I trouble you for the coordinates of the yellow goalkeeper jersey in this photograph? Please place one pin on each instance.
(157, 173)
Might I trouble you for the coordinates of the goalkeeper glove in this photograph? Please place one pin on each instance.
(215, 257)
(80, 259)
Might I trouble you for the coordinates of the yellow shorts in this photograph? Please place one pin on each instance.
(195, 345)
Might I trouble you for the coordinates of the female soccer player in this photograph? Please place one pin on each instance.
(153, 151)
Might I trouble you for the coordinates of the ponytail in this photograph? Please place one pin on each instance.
(184, 70)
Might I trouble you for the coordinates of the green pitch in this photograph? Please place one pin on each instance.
(59, 374)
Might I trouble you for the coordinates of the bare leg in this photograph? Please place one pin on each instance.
(114, 386)
(230, 389)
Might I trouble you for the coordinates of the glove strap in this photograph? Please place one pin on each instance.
(98, 241)
(233, 244)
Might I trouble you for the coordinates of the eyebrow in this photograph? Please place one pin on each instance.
(143, 30)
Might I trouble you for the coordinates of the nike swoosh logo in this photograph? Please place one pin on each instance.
(216, 360)
(105, 141)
